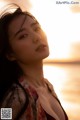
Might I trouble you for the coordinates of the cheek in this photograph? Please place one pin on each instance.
(23, 54)
(20, 49)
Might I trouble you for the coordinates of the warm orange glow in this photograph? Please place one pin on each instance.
(66, 81)
(60, 22)
(75, 9)
(61, 25)
(50, 72)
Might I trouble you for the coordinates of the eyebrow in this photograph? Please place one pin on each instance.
(24, 29)
(35, 23)
(19, 31)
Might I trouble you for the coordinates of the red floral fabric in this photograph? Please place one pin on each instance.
(34, 110)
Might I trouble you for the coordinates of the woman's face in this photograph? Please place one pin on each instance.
(27, 40)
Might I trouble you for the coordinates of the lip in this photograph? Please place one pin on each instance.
(40, 47)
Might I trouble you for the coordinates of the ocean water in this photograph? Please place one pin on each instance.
(66, 81)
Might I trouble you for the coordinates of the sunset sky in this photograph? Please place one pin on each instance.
(61, 22)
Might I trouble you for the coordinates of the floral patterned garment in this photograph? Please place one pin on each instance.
(34, 110)
(15, 99)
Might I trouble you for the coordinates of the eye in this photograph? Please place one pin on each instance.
(37, 29)
(23, 36)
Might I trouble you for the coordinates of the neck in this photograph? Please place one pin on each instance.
(33, 73)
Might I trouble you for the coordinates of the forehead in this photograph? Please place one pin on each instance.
(16, 23)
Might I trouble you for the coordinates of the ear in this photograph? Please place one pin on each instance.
(10, 57)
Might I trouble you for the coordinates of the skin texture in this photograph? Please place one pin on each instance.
(28, 47)
(24, 44)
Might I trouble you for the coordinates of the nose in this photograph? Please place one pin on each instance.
(36, 38)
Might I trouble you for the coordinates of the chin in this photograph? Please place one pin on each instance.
(45, 55)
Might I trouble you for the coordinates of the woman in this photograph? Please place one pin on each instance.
(23, 46)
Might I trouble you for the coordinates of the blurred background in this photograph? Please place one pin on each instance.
(61, 23)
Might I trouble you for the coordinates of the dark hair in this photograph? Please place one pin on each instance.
(9, 70)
